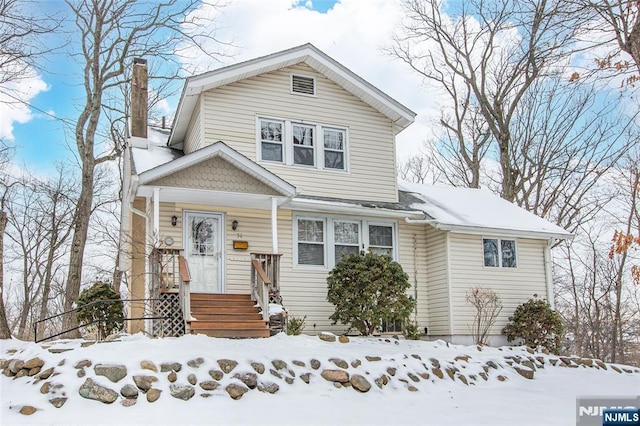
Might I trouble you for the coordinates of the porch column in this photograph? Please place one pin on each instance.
(156, 213)
(274, 224)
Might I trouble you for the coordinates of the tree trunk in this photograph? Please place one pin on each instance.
(5, 332)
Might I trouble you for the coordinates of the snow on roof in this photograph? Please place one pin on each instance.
(157, 151)
(455, 208)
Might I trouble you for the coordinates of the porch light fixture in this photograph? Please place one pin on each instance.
(174, 220)
(234, 225)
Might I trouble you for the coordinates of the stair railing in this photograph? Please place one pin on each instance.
(260, 283)
(185, 290)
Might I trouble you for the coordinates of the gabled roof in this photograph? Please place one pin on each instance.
(307, 53)
(479, 211)
(219, 149)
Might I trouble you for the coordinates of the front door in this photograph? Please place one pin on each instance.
(204, 244)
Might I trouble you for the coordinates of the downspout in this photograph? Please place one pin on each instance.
(274, 225)
(548, 271)
(415, 274)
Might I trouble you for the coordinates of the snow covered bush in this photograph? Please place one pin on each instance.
(367, 288)
(295, 325)
(412, 331)
(537, 325)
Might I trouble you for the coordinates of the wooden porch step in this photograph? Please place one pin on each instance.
(228, 324)
(219, 296)
(223, 310)
(239, 316)
(234, 333)
(221, 303)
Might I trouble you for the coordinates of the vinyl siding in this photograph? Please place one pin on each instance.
(193, 139)
(230, 114)
(513, 285)
(438, 282)
(412, 252)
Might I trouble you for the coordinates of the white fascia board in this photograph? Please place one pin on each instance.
(322, 206)
(222, 150)
(210, 197)
(517, 233)
(307, 53)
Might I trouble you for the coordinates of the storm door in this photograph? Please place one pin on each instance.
(204, 245)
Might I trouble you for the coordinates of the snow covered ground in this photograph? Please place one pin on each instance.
(548, 399)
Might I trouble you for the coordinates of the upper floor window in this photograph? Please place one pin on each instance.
(302, 144)
(499, 253)
(271, 141)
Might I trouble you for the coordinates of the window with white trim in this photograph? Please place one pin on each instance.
(499, 253)
(322, 241)
(334, 140)
(302, 144)
(311, 242)
(271, 140)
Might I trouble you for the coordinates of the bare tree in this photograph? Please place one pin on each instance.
(111, 34)
(5, 186)
(487, 306)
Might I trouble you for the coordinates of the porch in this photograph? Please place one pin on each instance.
(232, 315)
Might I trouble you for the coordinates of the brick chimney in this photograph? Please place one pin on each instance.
(139, 98)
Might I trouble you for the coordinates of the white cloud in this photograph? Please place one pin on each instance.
(353, 32)
(14, 99)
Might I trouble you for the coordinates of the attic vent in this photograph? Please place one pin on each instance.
(303, 85)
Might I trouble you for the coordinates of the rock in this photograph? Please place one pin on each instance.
(3, 363)
(424, 375)
(327, 337)
(113, 372)
(601, 364)
(298, 363)
(268, 387)
(373, 358)
(59, 350)
(412, 388)
(46, 386)
(92, 390)
(87, 344)
(81, 373)
(258, 367)
(450, 372)
(360, 383)
(129, 391)
(58, 402)
(416, 356)
(438, 373)
(339, 376)
(33, 363)
(380, 381)
(249, 379)
(15, 365)
(183, 392)
(483, 375)
(216, 374)
(236, 391)
(192, 379)
(529, 364)
(306, 377)
(463, 379)
(435, 362)
(144, 383)
(46, 373)
(275, 373)
(33, 371)
(413, 377)
(82, 364)
(356, 363)
(27, 410)
(616, 369)
(391, 371)
(289, 380)
(153, 395)
(315, 364)
(170, 366)
(227, 365)
(565, 360)
(553, 362)
(343, 339)
(501, 378)
(279, 364)
(128, 402)
(492, 365)
(587, 362)
(195, 363)
(206, 395)
(21, 373)
(527, 373)
(148, 365)
(172, 377)
(339, 362)
(209, 385)
(464, 358)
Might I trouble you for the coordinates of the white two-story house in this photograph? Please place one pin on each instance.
(273, 169)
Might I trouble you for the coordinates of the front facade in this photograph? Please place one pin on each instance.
(291, 156)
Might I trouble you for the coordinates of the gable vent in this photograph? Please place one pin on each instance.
(303, 85)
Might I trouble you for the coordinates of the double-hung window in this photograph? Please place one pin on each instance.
(334, 141)
(303, 145)
(499, 253)
(381, 239)
(346, 237)
(311, 238)
(271, 140)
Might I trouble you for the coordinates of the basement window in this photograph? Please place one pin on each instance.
(303, 85)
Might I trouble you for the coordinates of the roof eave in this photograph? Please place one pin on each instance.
(488, 231)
